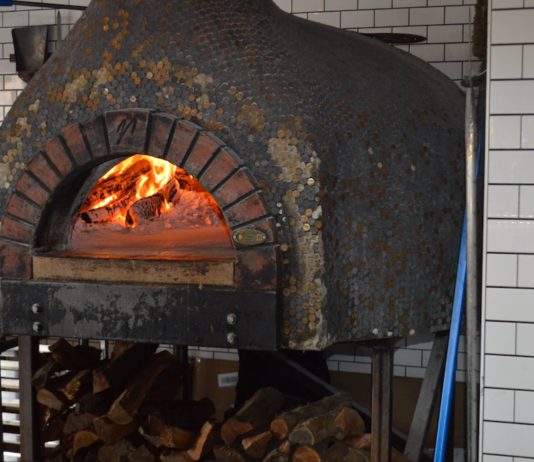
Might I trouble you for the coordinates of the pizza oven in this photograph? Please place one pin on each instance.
(220, 173)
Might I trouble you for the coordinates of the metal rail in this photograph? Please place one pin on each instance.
(55, 6)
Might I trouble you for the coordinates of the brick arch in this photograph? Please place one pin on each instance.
(124, 132)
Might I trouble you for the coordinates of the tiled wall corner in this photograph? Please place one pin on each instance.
(507, 425)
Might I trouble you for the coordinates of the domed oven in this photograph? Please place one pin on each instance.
(311, 183)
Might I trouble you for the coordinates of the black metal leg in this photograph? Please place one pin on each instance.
(381, 403)
(30, 441)
(182, 353)
(427, 399)
(2, 448)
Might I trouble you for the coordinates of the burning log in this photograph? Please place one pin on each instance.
(118, 372)
(145, 209)
(255, 414)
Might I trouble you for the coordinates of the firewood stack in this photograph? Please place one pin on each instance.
(125, 409)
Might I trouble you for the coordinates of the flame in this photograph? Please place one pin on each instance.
(136, 178)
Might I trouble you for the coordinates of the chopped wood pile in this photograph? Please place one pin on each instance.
(126, 409)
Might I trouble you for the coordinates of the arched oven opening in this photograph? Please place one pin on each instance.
(131, 218)
(153, 233)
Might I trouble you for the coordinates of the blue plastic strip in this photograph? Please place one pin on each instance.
(6, 2)
(447, 394)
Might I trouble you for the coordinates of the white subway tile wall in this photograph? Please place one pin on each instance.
(507, 422)
(446, 23)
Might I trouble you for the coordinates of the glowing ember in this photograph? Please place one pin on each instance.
(146, 206)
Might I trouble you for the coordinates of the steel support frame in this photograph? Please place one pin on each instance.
(381, 402)
(30, 440)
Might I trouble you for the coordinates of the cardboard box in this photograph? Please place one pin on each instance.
(215, 379)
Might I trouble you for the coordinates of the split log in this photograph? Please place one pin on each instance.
(117, 373)
(205, 442)
(141, 454)
(52, 399)
(280, 454)
(165, 389)
(255, 414)
(360, 442)
(126, 406)
(120, 348)
(162, 435)
(62, 391)
(97, 403)
(283, 424)
(226, 454)
(118, 452)
(187, 414)
(338, 452)
(310, 454)
(256, 446)
(175, 457)
(52, 424)
(75, 358)
(339, 423)
(110, 432)
(79, 385)
(77, 422)
(46, 373)
(82, 440)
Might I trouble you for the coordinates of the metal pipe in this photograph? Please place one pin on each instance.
(471, 307)
(55, 6)
(447, 395)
